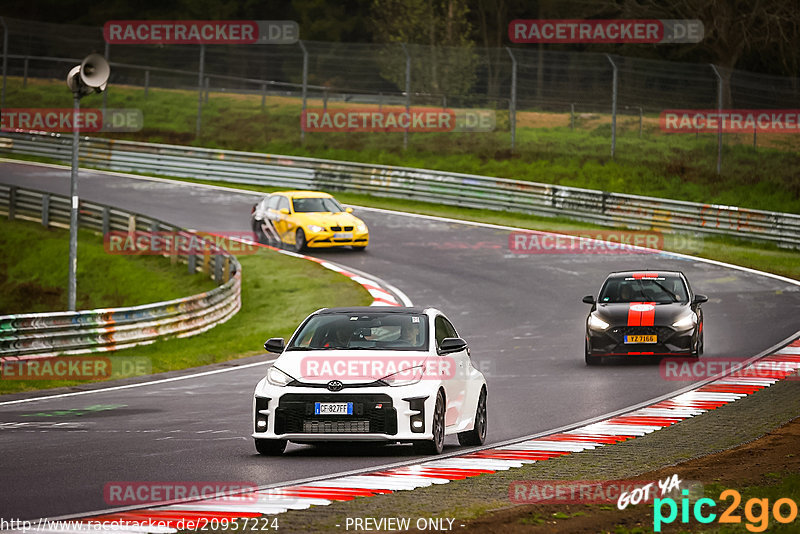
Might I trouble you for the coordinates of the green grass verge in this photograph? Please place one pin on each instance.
(34, 271)
(679, 166)
(278, 292)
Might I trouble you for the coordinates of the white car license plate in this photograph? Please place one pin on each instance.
(333, 408)
(343, 235)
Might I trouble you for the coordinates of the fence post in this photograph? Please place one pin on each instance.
(46, 210)
(5, 61)
(305, 88)
(263, 96)
(408, 91)
(572, 116)
(200, 90)
(191, 262)
(146, 82)
(218, 268)
(641, 114)
(613, 106)
(719, 109)
(754, 137)
(106, 54)
(25, 72)
(512, 112)
(206, 83)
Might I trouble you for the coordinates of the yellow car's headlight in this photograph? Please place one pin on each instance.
(361, 227)
(314, 228)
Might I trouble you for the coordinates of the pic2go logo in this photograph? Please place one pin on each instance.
(758, 521)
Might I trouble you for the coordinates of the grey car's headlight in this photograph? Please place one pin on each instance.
(596, 323)
(276, 377)
(687, 321)
(314, 228)
(406, 377)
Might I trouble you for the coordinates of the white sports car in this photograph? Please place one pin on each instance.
(376, 373)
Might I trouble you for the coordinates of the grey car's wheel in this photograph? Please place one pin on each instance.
(477, 435)
(270, 447)
(435, 445)
(299, 240)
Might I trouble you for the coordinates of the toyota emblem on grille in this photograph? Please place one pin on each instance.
(335, 385)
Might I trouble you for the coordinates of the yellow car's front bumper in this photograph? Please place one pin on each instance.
(328, 239)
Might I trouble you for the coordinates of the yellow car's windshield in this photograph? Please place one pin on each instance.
(316, 205)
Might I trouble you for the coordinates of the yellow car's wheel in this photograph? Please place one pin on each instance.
(299, 240)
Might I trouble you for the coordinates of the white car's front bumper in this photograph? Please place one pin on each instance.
(379, 413)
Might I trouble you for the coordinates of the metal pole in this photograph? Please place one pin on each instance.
(73, 214)
(206, 84)
(719, 109)
(305, 87)
(25, 73)
(263, 96)
(572, 116)
(512, 111)
(640, 121)
(146, 82)
(200, 90)
(754, 137)
(5, 61)
(613, 107)
(105, 93)
(408, 91)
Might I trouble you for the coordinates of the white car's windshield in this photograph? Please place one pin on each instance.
(374, 331)
(316, 205)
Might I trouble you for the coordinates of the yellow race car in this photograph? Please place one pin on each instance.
(313, 219)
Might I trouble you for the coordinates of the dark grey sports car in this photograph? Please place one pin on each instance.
(644, 314)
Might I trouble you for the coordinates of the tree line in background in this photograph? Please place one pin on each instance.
(761, 36)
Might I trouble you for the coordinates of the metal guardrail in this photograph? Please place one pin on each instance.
(39, 335)
(599, 207)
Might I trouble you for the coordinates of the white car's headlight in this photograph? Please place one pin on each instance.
(361, 227)
(315, 228)
(406, 377)
(595, 323)
(686, 321)
(276, 377)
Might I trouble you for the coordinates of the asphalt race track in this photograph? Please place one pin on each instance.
(521, 314)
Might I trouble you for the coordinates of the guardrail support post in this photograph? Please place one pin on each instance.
(200, 90)
(613, 106)
(226, 270)
(305, 88)
(408, 91)
(207, 262)
(218, 269)
(191, 262)
(719, 109)
(46, 210)
(512, 111)
(12, 202)
(106, 220)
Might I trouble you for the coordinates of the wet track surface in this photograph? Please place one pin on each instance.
(521, 314)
